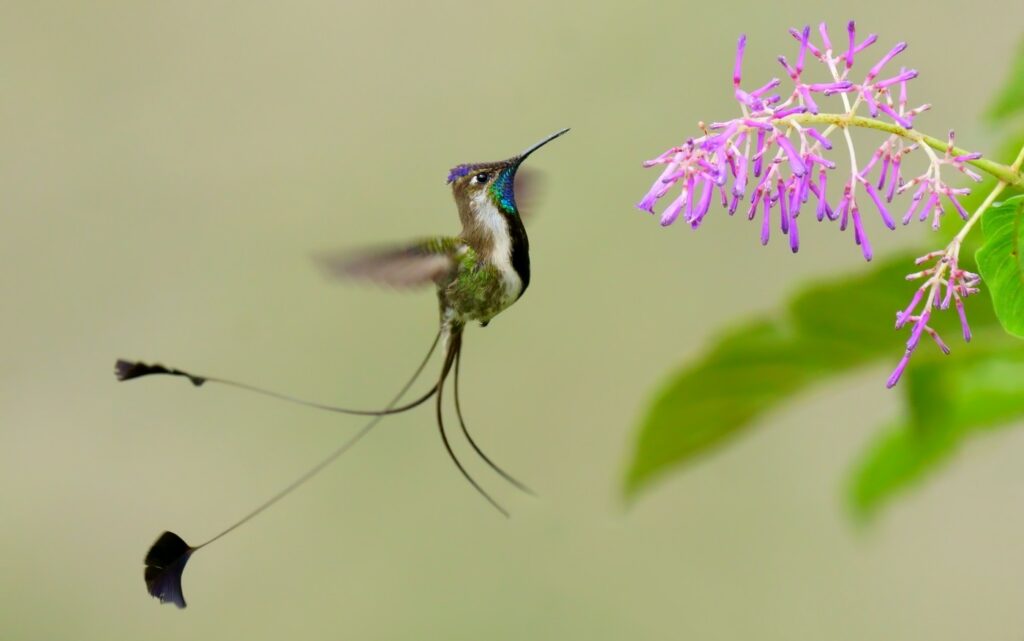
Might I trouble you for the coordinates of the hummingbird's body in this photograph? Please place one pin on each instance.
(478, 274)
(492, 260)
(483, 270)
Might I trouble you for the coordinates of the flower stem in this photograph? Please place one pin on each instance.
(1011, 175)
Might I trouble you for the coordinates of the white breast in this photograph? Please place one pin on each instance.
(497, 228)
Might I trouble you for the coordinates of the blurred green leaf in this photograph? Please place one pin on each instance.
(1001, 263)
(1010, 100)
(949, 402)
(830, 328)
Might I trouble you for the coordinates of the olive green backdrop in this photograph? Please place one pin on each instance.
(167, 168)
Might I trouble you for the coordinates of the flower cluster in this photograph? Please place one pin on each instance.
(774, 156)
(774, 151)
(945, 284)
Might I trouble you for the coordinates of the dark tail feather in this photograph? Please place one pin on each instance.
(454, 346)
(127, 370)
(462, 423)
(165, 563)
(166, 559)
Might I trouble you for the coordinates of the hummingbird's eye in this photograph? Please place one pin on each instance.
(481, 178)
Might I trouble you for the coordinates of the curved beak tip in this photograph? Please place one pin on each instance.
(540, 144)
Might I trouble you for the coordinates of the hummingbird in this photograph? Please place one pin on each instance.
(477, 274)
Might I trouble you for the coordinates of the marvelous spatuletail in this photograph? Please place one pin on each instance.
(478, 274)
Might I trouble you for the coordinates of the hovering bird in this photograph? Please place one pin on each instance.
(478, 274)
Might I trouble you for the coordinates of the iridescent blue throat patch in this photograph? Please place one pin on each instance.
(502, 192)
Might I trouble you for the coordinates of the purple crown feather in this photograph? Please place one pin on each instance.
(458, 172)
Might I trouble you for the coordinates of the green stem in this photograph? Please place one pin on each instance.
(1012, 176)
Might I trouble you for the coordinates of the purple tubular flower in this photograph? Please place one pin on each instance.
(790, 71)
(704, 204)
(759, 154)
(882, 211)
(795, 163)
(810, 46)
(851, 28)
(757, 93)
(722, 138)
(672, 211)
(938, 340)
(950, 288)
(800, 194)
(739, 186)
(823, 30)
(870, 40)
(783, 208)
(647, 202)
(932, 201)
(895, 179)
(789, 111)
(794, 190)
(900, 120)
(818, 160)
(819, 211)
(822, 140)
(659, 188)
(829, 88)
(899, 48)
(803, 49)
(963, 319)
(966, 157)
(904, 316)
(858, 234)
(691, 189)
(960, 208)
(744, 97)
(885, 171)
(794, 236)
(738, 68)
(843, 210)
(898, 372)
(902, 77)
(820, 191)
(766, 218)
(755, 200)
(915, 334)
(808, 100)
(914, 203)
(870, 99)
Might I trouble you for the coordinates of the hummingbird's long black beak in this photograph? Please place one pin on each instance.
(523, 156)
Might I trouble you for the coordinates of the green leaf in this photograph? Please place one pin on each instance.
(949, 402)
(831, 327)
(1010, 100)
(1001, 263)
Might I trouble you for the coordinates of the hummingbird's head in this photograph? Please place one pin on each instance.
(491, 182)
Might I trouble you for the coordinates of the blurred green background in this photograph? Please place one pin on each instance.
(168, 168)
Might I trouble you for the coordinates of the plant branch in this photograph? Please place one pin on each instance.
(1011, 175)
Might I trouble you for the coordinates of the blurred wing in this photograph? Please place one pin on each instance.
(422, 263)
(529, 189)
